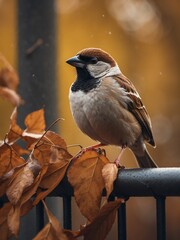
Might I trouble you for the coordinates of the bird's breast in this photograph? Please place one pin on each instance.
(103, 115)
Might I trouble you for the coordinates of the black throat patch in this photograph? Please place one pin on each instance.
(84, 82)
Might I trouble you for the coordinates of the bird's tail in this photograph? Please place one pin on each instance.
(146, 161)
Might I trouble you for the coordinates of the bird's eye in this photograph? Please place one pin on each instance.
(87, 59)
(93, 60)
(84, 58)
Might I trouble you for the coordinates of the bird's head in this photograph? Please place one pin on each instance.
(96, 62)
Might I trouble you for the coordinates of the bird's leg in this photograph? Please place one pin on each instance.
(117, 161)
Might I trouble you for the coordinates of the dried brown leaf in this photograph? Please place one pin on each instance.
(8, 159)
(35, 122)
(24, 179)
(30, 191)
(7, 178)
(59, 154)
(9, 78)
(85, 175)
(34, 165)
(3, 186)
(51, 179)
(4, 230)
(9, 81)
(52, 230)
(43, 153)
(49, 138)
(71, 235)
(26, 207)
(4, 212)
(23, 205)
(10, 95)
(15, 131)
(55, 139)
(19, 150)
(109, 173)
(55, 223)
(14, 219)
(51, 148)
(46, 233)
(102, 224)
(31, 139)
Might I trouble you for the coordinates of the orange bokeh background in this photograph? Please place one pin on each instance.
(144, 38)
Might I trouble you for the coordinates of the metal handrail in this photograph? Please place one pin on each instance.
(155, 182)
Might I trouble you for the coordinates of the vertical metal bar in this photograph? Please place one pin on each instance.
(37, 71)
(161, 218)
(37, 58)
(122, 222)
(67, 213)
(39, 216)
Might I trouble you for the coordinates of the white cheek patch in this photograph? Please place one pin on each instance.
(102, 69)
(99, 69)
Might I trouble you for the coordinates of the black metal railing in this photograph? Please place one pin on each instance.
(158, 183)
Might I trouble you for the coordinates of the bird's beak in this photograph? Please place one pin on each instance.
(76, 62)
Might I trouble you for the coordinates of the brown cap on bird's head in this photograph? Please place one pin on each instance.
(100, 54)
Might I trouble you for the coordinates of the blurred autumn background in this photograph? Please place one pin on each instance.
(144, 38)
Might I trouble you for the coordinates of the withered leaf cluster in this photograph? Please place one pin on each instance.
(29, 174)
(47, 159)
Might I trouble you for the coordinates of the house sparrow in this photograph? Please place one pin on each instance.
(107, 107)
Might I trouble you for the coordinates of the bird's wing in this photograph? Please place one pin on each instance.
(136, 107)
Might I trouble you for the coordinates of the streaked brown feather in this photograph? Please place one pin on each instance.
(137, 108)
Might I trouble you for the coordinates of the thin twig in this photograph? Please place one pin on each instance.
(75, 145)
